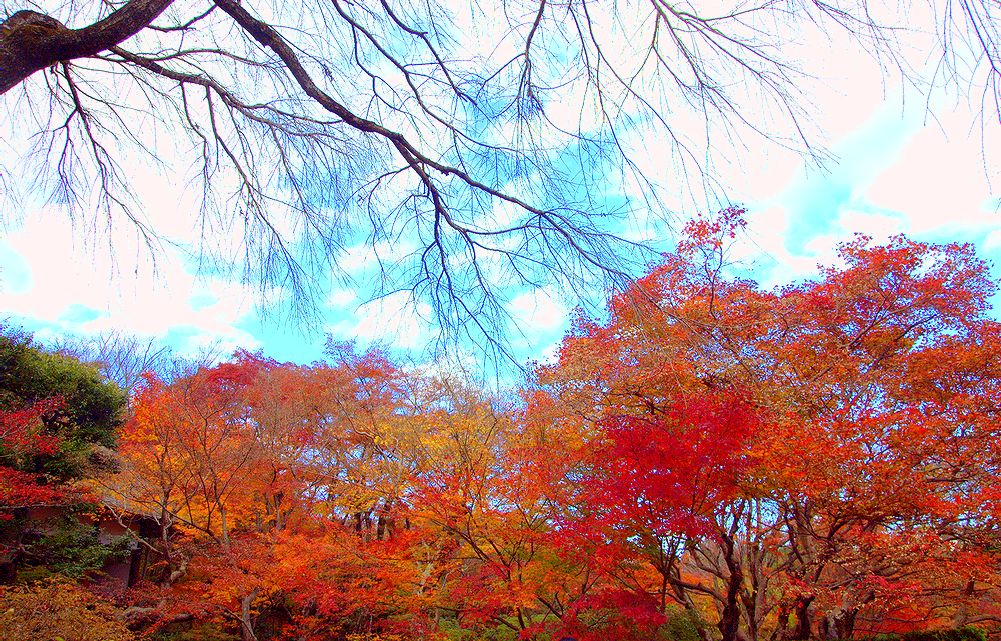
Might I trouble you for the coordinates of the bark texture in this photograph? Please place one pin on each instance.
(31, 41)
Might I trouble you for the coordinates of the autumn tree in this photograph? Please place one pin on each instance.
(387, 552)
(486, 494)
(247, 463)
(469, 490)
(870, 505)
(852, 504)
(367, 438)
(187, 453)
(473, 161)
(668, 485)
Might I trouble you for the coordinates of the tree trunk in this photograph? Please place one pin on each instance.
(225, 529)
(839, 623)
(246, 623)
(803, 619)
(962, 616)
(729, 622)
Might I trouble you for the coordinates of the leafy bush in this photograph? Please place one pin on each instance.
(680, 626)
(196, 632)
(58, 609)
(965, 633)
(92, 406)
(68, 547)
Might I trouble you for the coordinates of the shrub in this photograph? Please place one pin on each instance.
(680, 626)
(58, 609)
(196, 632)
(966, 633)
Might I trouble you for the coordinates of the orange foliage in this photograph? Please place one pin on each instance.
(817, 459)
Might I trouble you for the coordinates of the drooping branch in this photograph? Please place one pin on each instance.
(546, 226)
(388, 123)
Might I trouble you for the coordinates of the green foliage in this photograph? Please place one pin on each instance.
(680, 626)
(77, 414)
(195, 632)
(92, 407)
(68, 547)
(452, 631)
(965, 633)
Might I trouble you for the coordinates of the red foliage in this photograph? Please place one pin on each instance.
(670, 474)
(22, 441)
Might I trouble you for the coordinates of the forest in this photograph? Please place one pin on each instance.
(708, 460)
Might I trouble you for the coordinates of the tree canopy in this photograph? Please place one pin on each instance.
(792, 454)
(58, 420)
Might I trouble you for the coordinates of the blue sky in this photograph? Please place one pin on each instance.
(896, 167)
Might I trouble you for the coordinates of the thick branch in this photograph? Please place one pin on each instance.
(31, 41)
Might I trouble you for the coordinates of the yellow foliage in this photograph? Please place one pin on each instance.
(57, 609)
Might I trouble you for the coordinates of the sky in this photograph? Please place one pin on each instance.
(897, 165)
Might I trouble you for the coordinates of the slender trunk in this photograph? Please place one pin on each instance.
(225, 529)
(246, 623)
(164, 524)
(384, 524)
(781, 623)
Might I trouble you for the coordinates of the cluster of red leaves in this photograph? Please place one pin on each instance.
(22, 441)
(670, 473)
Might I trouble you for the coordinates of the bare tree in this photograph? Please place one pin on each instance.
(122, 358)
(125, 358)
(476, 139)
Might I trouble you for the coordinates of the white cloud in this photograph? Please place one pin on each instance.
(942, 182)
(397, 320)
(539, 311)
(341, 298)
(895, 173)
(56, 282)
